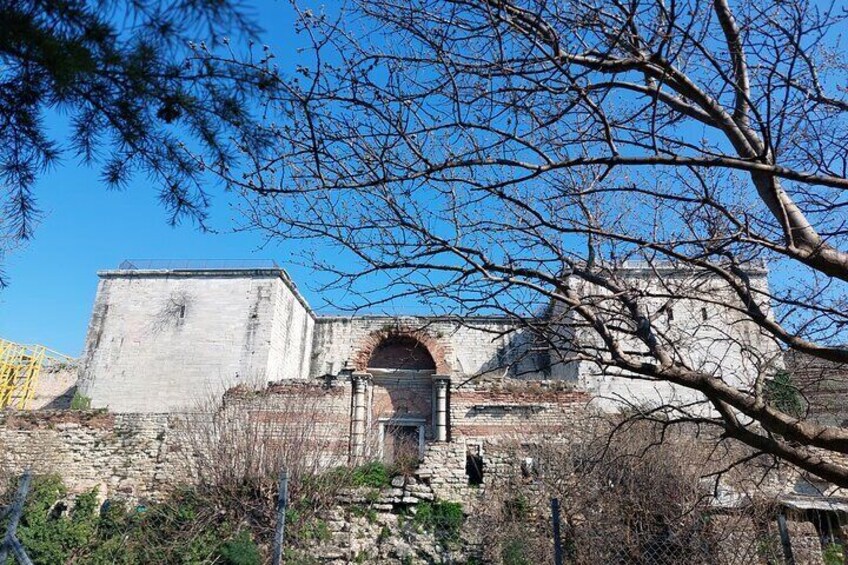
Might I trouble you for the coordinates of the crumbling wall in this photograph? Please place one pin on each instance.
(136, 455)
(314, 413)
(55, 387)
(500, 425)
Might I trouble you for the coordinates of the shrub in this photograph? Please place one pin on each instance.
(50, 533)
(782, 393)
(241, 550)
(374, 474)
(444, 519)
(833, 554)
(80, 402)
(186, 528)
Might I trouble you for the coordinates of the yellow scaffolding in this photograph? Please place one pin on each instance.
(20, 366)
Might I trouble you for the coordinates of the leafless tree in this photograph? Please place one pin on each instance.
(510, 157)
(233, 453)
(638, 496)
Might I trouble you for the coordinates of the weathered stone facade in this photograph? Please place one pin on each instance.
(165, 340)
(162, 341)
(470, 397)
(135, 455)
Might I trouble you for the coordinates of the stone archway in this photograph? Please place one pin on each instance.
(436, 350)
(402, 374)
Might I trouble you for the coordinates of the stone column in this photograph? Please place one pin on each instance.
(358, 416)
(440, 386)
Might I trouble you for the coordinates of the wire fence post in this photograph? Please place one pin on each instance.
(10, 541)
(282, 504)
(557, 539)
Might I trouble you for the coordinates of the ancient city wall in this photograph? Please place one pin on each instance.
(142, 454)
(700, 320)
(136, 455)
(500, 426)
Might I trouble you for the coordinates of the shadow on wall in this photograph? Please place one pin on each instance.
(60, 402)
(518, 356)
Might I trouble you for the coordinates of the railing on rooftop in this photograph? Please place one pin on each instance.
(196, 265)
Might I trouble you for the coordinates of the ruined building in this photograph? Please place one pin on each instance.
(164, 340)
(473, 403)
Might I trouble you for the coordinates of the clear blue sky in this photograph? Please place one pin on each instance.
(87, 228)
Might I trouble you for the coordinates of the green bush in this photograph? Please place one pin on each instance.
(241, 550)
(444, 519)
(80, 402)
(374, 475)
(297, 557)
(185, 528)
(782, 393)
(51, 533)
(315, 530)
(833, 554)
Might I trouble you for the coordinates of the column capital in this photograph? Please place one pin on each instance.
(360, 377)
(441, 380)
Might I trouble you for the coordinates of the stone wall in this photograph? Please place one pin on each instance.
(500, 426)
(162, 341)
(55, 387)
(476, 346)
(136, 455)
(290, 340)
(822, 386)
(708, 334)
(141, 456)
(315, 415)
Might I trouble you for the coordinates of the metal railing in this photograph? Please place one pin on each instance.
(198, 265)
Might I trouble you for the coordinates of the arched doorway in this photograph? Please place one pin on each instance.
(402, 371)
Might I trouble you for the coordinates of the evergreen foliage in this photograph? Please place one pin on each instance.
(443, 518)
(128, 76)
(186, 528)
(783, 394)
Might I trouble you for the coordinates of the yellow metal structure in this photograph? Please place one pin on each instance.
(20, 366)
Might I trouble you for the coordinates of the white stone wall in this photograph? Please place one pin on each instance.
(290, 347)
(477, 346)
(707, 333)
(55, 387)
(163, 341)
(159, 341)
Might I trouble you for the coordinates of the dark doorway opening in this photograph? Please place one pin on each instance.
(474, 466)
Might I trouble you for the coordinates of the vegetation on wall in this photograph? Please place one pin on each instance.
(80, 401)
(187, 527)
(444, 519)
(222, 523)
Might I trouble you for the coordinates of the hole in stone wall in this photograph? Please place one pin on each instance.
(474, 466)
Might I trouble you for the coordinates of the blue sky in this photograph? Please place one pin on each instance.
(86, 228)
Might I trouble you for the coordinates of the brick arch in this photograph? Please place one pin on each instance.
(437, 350)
